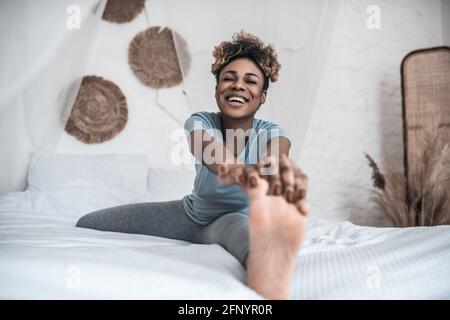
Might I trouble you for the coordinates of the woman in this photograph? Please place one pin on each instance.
(239, 201)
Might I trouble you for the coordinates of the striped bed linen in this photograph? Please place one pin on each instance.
(43, 256)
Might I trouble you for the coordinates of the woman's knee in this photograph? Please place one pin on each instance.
(224, 229)
(87, 221)
(100, 218)
(231, 220)
(231, 232)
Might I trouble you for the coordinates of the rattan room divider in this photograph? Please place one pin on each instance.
(426, 100)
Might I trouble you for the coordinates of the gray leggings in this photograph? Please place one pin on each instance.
(169, 220)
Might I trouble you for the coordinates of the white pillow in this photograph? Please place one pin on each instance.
(54, 171)
(169, 184)
(75, 202)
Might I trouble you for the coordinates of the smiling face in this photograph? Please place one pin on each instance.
(239, 92)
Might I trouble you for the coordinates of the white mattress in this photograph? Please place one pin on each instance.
(42, 255)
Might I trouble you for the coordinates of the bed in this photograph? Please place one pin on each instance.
(44, 256)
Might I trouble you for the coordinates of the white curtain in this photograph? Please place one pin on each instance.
(300, 30)
(45, 49)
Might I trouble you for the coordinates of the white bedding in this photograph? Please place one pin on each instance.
(42, 255)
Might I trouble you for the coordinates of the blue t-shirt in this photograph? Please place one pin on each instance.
(210, 199)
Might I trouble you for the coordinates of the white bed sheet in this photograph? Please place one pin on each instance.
(43, 256)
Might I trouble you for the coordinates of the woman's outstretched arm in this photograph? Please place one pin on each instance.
(210, 152)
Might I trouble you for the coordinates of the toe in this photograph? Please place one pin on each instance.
(224, 175)
(252, 177)
(259, 190)
(302, 207)
(287, 178)
(230, 174)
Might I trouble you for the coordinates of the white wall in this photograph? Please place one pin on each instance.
(358, 106)
(446, 22)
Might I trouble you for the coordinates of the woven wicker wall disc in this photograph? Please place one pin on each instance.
(121, 11)
(153, 58)
(100, 111)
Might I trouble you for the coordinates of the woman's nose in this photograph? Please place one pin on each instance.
(238, 85)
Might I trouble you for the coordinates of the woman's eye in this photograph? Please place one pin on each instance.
(231, 79)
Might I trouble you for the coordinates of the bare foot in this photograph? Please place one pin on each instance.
(277, 229)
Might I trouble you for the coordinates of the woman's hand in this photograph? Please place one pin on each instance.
(231, 173)
(283, 175)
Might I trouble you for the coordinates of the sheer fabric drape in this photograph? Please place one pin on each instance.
(45, 48)
(300, 30)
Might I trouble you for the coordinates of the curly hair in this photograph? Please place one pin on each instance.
(246, 45)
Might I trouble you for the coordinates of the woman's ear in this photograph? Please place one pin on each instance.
(263, 96)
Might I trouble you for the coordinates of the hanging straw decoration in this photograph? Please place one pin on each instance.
(153, 58)
(122, 11)
(100, 111)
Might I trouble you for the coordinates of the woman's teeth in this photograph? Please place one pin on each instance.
(236, 101)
